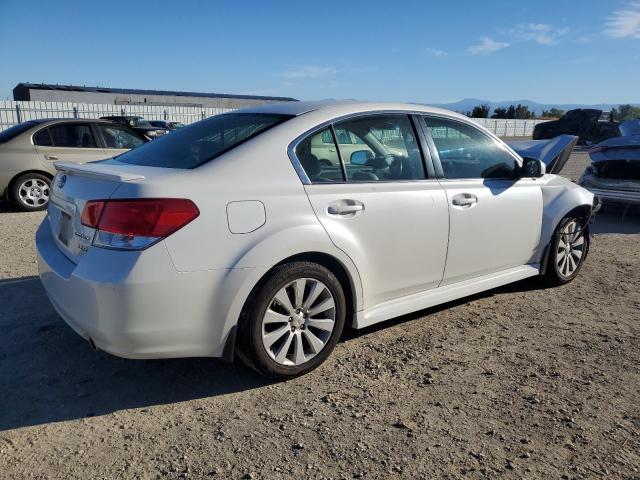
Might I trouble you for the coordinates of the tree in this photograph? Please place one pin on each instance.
(499, 112)
(552, 113)
(480, 111)
(522, 112)
(628, 112)
(512, 111)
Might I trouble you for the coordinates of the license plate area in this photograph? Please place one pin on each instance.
(65, 233)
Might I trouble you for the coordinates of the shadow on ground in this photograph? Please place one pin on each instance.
(49, 374)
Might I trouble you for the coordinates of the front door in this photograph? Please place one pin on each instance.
(495, 216)
(386, 215)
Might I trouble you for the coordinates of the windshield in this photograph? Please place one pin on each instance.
(200, 142)
(16, 130)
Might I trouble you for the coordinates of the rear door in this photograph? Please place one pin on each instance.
(387, 215)
(67, 142)
(495, 217)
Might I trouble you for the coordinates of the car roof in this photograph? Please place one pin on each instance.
(49, 121)
(343, 107)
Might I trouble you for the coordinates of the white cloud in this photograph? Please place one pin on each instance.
(541, 33)
(309, 71)
(436, 52)
(486, 46)
(624, 23)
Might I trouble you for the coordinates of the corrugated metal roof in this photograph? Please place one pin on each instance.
(134, 91)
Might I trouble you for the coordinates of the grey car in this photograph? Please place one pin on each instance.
(29, 149)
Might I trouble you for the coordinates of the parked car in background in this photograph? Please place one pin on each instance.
(585, 123)
(614, 173)
(170, 126)
(28, 150)
(229, 235)
(139, 124)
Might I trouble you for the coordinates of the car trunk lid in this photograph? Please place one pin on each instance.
(72, 187)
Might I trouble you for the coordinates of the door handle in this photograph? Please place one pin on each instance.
(464, 200)
(51, 157)
(345, 208)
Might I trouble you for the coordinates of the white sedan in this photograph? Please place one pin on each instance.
(229, 236)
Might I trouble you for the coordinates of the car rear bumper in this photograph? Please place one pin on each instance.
(135, 304)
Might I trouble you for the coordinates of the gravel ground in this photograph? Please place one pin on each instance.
(519, 382)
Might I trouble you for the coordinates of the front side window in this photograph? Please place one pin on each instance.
(73, 135)
(466, 152)
(118, 137)
(203, 141)
(386, 149)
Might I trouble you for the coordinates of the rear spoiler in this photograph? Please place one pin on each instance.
(97, 170)
(553, 153)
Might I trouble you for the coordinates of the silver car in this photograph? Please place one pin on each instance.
(28, 150)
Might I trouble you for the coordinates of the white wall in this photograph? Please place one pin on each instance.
(12, 112)
(35, 110)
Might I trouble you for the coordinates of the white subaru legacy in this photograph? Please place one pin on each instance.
(235, 235)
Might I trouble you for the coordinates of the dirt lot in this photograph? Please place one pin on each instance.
(520, 382)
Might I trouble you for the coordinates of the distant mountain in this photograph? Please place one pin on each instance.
(467, 105)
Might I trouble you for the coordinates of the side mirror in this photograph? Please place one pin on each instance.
(360, 157)
(532, 167)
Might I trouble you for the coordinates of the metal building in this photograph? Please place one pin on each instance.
(129, 96)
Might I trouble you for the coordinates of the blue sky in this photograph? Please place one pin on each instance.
(550, 51)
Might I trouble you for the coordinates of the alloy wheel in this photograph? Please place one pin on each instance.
(298, 322)
(571, 249)
(33, 192)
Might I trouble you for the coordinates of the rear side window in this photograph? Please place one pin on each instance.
(375, 148)
(16, 130)
(73, 135)
(201, 142)
(42, 138)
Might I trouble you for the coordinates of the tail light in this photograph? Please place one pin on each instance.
(134, 224)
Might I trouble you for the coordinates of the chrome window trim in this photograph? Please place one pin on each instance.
(291, 149)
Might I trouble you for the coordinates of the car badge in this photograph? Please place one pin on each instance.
(62, 179)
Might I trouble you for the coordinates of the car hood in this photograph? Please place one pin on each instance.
(554, 153)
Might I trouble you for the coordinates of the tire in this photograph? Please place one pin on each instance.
(278, 342)
(30, 192)
(325, 163)
(567, 251)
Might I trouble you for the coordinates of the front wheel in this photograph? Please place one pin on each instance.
(567, 251)
(293, 321)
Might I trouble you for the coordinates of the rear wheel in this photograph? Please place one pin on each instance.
(567, 251)
(293, 321)
(30, 192)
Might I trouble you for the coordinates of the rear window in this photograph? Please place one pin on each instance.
(16, 130)
(196, 144)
